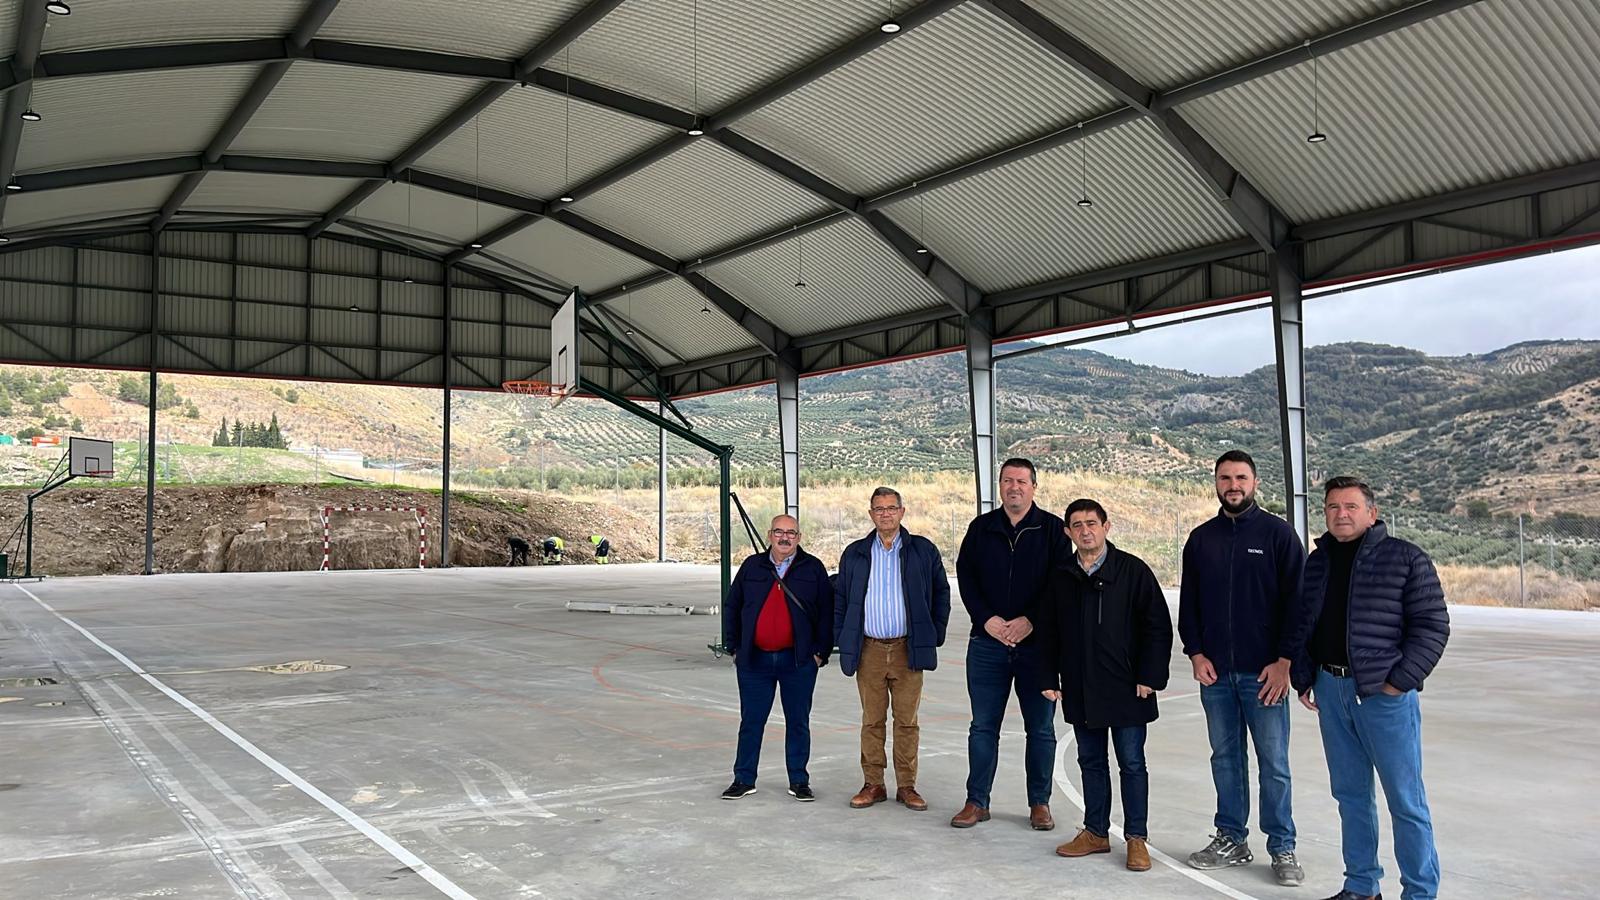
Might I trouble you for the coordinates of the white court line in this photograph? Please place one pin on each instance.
(1065, 784)
(392, 847)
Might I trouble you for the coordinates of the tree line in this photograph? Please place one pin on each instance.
(250, 434)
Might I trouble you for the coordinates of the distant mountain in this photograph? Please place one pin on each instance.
(1515, 427)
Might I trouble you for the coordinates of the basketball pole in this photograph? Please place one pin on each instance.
(27, 559)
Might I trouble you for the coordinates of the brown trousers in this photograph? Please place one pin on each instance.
(884, 678)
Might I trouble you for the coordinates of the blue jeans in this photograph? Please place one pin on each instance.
(1232, 709)
(759, 676)
(1383, 733)
(1134, 779)
(993, 671)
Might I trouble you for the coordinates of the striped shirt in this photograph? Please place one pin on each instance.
(886, 601)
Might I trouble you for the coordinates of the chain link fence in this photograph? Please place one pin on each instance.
(1510, 560)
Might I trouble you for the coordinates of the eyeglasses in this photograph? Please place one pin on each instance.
(885, 509)
(784, 532)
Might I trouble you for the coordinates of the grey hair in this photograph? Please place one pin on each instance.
(886, 492)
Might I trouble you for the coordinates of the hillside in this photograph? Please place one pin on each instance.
(1516, 428)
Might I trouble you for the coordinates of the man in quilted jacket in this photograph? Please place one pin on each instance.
(1373, 624)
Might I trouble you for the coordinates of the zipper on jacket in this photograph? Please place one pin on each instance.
(1011, 561)
(1233, 562)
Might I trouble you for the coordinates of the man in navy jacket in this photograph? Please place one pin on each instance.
(1241, 581)
(890, 607)
(1007, 560)
(1373, 626)
(778, 638)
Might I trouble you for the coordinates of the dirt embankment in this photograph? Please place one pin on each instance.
(277, 528)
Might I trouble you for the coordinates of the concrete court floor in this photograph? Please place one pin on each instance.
(520, 750)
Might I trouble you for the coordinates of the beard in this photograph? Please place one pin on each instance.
(1233, 509)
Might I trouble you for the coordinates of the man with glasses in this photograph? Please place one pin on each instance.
(778, 625)
(1373, 626)
(891, 604)
(1007, 561)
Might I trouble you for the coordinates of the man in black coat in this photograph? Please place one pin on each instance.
(890, 607)
(1373, 625)
(778, 638)
(1106, 639)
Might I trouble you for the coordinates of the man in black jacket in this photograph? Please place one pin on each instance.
(778, 638)
(891, 604)
(1373, 624)
(1007, 560)
(1241, 580)
(1106, 638)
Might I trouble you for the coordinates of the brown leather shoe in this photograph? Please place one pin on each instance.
(1138, 855)
(870, 794)
(912, 799)
(970, 815)
(1039, 817)
(1085, 843)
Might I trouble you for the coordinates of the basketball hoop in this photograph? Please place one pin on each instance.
(529, 386)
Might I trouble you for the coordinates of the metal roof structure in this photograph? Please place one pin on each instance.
(371, 189)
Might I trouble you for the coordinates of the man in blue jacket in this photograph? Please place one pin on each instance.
(1373, 625)
(1007, 560)
(1241, 581)
(778, 638)
(891, 604)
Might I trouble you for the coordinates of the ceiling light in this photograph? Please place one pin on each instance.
(1085, 203)
(695, 130)
(12, 185)
(408, 280)
(889, 26)
(628, 332)
(1316, 137)
(475, 245)
(922, 249)
(58, 7)
(567, 198)
(799, 284)
(28, 115)
(4, 239)
(355, 308)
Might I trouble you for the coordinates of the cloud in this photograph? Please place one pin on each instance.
(1474, 310)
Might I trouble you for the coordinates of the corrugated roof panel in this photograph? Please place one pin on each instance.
(1020, 224)
(698, 199)
(1170, 43)
(670, 312)
(502, 28)
(250, 192)
(963, 86)
(1485, 93)
(324, 111)
(151, 114)
(851, 276)
(85, 203)
(456, 219)
(8, 27)
(646, 47)
(95, 24)
(520, 144)
(571, 257)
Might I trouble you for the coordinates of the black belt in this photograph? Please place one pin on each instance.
(897, 640)
(1336, 671)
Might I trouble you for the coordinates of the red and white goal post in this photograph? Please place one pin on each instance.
(419, 512)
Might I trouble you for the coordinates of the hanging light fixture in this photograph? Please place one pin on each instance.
(408, 279)
(922, 221)
(355, 308)
(696, 128)
(566, 140)
(800, 261)
(58, 7)
(1083, 197)
(28, 115)
(627, 329)
(1316, 136)
(890, 25)
(13, 185)
(4, 239)
(477, 181)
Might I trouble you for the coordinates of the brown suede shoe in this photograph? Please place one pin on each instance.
(1085, 843)
(1138, 855)
(870, 794)
(1039, 817)
(970, 815)
(912, 799)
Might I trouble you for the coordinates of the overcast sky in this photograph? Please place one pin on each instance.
(1473, 310)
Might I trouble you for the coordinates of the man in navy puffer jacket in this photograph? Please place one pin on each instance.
(1373, 625)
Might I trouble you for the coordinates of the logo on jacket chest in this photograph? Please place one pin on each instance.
(1256, 550)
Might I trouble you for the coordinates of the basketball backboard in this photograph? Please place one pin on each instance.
(564, 344)
(89, 457)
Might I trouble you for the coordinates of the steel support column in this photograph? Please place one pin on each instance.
(150, 439)
(788, 385)
(661, 486)
(449, 363)
(1289, 329)
(980, 398)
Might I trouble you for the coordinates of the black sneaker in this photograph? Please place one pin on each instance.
(738, 790)
(801, 792)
